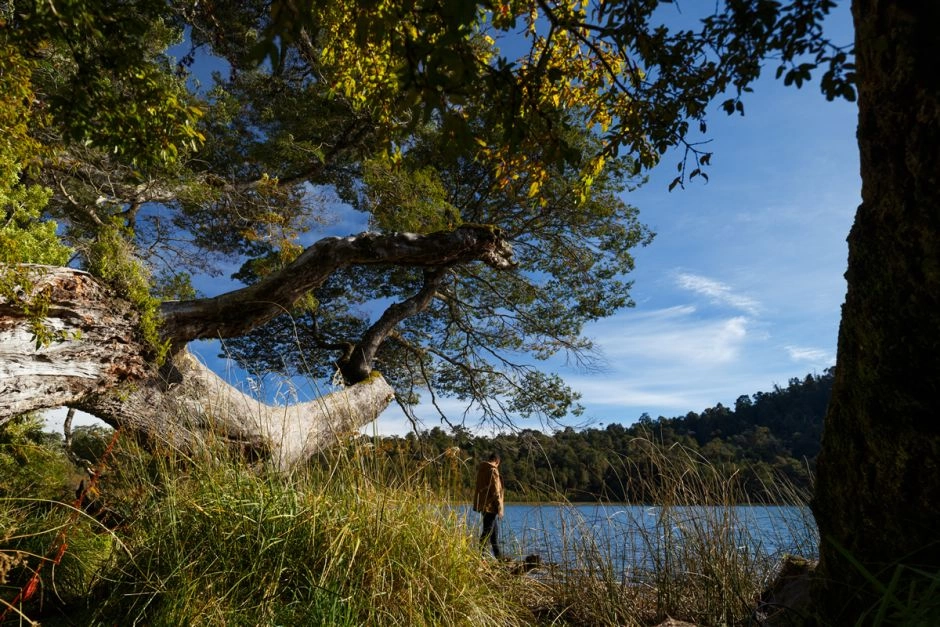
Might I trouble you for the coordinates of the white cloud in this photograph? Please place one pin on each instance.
(671, 335)
(677, 359)
(615, 392)
(718, 292)
(809, 354)
(667, 390)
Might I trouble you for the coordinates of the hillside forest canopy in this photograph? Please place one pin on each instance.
(492, 188)
(766, 446)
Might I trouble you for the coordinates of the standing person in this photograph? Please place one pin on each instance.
(488, 500)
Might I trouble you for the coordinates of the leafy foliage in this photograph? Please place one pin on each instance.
(619, 64)
(37, 483)
(533, 118)
(30, 466)
(25, 237)
(102, 81)
(75, 74)
(112, 258)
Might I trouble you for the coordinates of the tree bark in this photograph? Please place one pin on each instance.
(235, 313)
(100, 368)
(188, 407)
(100, 350)
(877, 498)
(99, 363)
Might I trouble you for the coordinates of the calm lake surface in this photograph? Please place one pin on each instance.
(639, 537)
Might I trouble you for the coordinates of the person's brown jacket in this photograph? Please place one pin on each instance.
(488, 497)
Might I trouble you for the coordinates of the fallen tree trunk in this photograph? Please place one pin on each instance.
(95, 347)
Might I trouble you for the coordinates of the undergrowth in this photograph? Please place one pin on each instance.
(169, 539)
(220, 541)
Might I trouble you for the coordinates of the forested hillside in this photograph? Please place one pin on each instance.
(764, 438)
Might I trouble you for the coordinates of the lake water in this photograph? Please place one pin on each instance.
(633, 538)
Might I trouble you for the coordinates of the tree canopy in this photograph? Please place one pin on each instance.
(531, 118)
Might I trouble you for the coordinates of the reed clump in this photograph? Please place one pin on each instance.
(698, 560)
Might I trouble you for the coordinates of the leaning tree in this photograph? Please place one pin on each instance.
(484, 245)
(480, 145)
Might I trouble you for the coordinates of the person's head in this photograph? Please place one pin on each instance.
(494, 458)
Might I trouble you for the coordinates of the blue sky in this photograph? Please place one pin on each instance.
(743, 285)
(741, 288)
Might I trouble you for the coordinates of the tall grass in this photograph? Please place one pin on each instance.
(911, 596)
(229, 543)
(700, 560)
(358, 538)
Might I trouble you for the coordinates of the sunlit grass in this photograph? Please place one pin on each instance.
(232, 543)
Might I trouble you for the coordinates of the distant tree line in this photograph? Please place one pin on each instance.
(768, 442)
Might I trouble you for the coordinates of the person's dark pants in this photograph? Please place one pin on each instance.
(490, 532)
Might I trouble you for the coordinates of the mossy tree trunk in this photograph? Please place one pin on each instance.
(878, 492)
